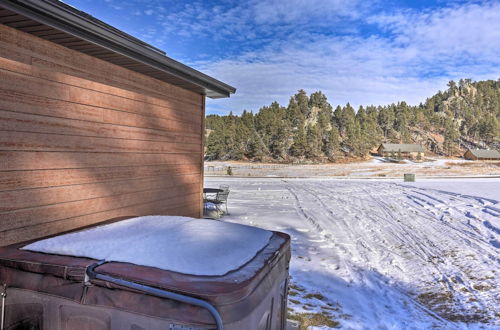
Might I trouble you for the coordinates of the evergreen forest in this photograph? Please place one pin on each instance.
(466, 115)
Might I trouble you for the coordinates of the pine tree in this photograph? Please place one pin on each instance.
(489, 129)
(319, 100)
(344, 117)
(361, 115)
(299, 146)
(313, 140)
(293, 114)
(386, 119)
(255, 148)
(331, 145)
(451, 138)
(371, 134)
(215, 145)
(337, 118)
(303, 102)
(354, 139)
(247, 119)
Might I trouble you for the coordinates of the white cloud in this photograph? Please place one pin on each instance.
(301, 11)
(420, 53)
(471, 29)
(245, 20)
(317, 45)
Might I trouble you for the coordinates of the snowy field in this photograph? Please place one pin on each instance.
(376, 167)
(371, 254)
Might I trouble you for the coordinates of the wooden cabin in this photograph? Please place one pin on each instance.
(94, 123)
(478, 154)
(413, 151)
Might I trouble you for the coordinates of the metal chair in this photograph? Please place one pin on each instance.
(220, 199)
(224, 187)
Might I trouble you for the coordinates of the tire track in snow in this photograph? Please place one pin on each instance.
(405, 223)
(315, 222)
(461, 251)
(341, 251)
(450, 278)
(356, 274)
(462, 232)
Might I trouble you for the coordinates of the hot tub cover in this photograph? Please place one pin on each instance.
(233, 294)
(179, 244)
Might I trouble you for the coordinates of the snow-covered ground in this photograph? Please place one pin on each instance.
(383, 254)
(486, 188)
(376, 167)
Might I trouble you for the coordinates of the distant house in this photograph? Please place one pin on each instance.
(478, 154)
(403, 150)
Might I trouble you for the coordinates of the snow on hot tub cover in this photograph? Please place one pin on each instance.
(179, 244)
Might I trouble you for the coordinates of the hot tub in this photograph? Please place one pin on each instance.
(54, 292)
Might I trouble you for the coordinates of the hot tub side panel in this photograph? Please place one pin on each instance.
(52, 289)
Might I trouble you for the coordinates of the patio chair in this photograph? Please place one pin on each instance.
(224, 187)
(221, 199)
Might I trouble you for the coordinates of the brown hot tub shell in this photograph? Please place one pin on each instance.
(50, 290)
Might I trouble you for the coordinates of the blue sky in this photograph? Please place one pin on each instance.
(358, 51)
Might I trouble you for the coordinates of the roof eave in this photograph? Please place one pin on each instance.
(59, 16)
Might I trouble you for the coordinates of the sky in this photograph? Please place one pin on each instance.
(365, 52)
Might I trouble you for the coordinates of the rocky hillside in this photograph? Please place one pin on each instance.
(466, 115)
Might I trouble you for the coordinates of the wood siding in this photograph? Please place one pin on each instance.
(469, 155)
(83, 141)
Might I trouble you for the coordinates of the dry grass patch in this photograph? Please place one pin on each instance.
(461, 164)
(443, 304)
(296, 288)
(307, 320)
(435, 298)
(481, 287)
(476, 163)
(318, 296)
